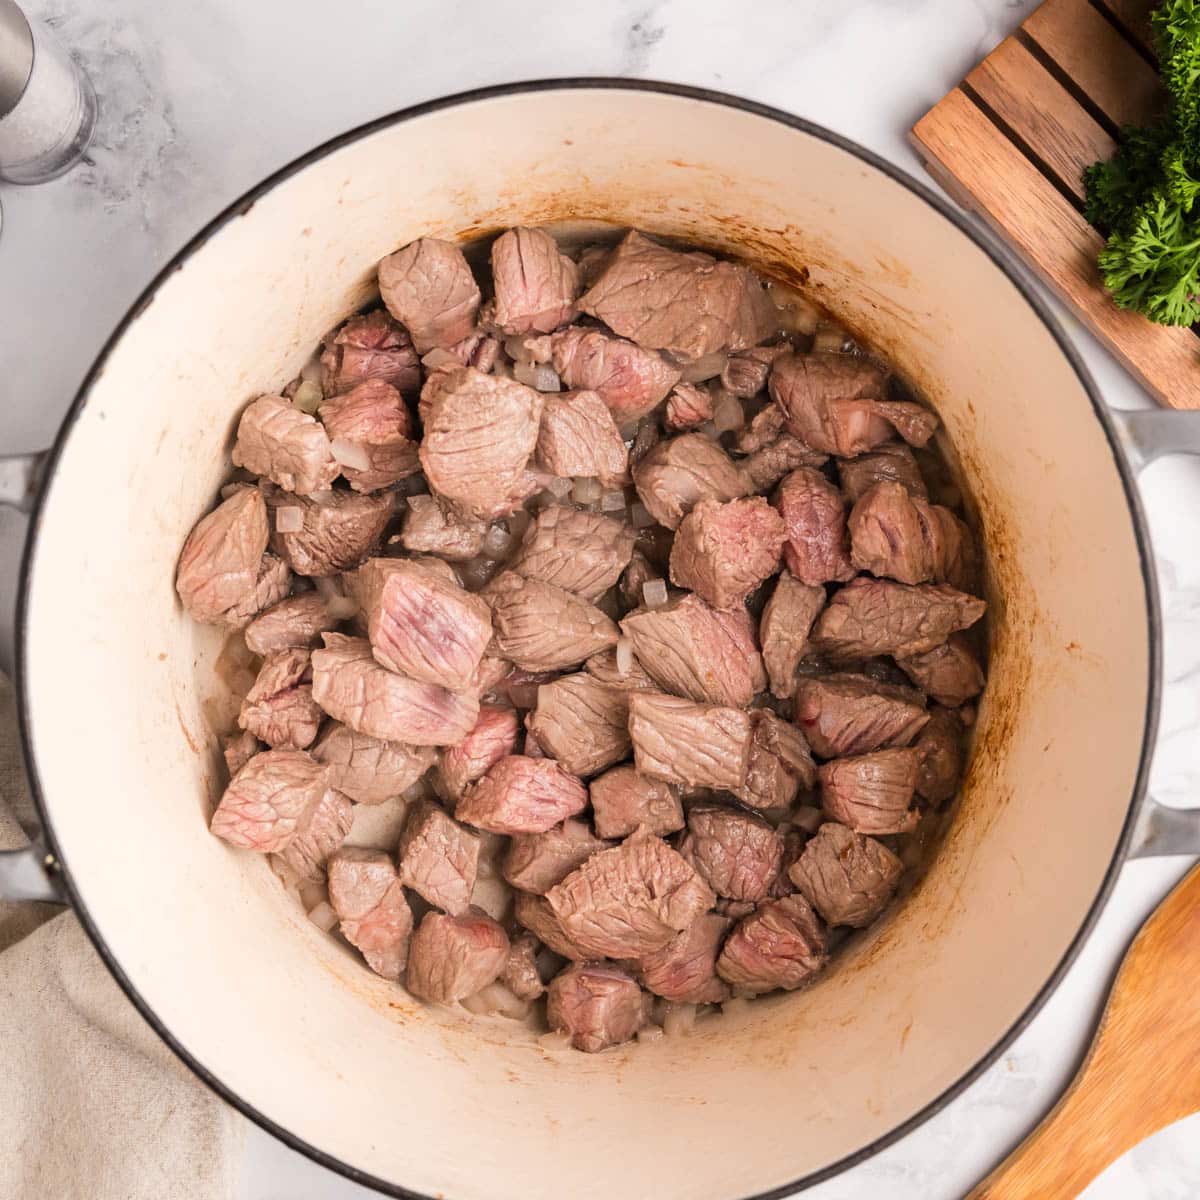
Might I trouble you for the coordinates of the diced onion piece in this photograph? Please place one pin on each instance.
(708, 367)
(338, 605)
(654, 592)
(525, 372)
(587, 490)
(679, 1020)
(496, 1000)
(555, 1040)
(796, 314)
(639, 514)
(728, 413)
(734, 1006)
(231, 489)
(650, 1033)
(831, 340)
(308, 397)
(311, 894)
(289, 518)
(517, 350)
(624, 656)
(807, 818)
(539, 376)
(437, 358)
(350, 454)
(560, 485)
(709, 430)
(612, 501)
(312, 371)
(497, 541)
(323, 916)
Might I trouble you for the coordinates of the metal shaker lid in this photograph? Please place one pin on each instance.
(16, 55)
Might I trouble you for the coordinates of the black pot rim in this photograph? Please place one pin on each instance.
(1000, 255)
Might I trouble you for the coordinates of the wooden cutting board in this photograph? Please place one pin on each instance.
(1010, 143)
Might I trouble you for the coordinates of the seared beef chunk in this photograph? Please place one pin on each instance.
(493, 738)
(421, 625)
(846, 877)
(871, 793)
(685, 969)
(630, 900)
(764, 429)
(908, 539)
(687, 407)
(696, 745)
(279, 708)
(893, 461)
(834, 403)
(780, 763)
(269, 800)
(370, 347)
(433, 527)
(535, 862)
(272, 584)
(766, 467)
(430, 290)
(339, 530)
(723, 552)
(480, 431)
(353, 688)
(522, 795)
(597, 1004)
(623, 799)
(684, 302)
(814, 515)
(940, 757)
(582, 723)
(319, 836)
(220, 562)
(784, 629)
(238, 749)
(520, 974)
(478, 349)
(693, 650)
(634, 578)
(370, 903)
(579, 437)
(582, 552)
(541, 627)
(293, 624)
(854, 714)
(779, 945)
(736, 853)
(451, 958)
(371, 422)
(676, 475)
(745, 374)
(536, 915)
(607, 669)
(949, 674)
(439, 858)
(367, 769)
(536, 285)
(630, 380)
(875, 616)
(276, 440)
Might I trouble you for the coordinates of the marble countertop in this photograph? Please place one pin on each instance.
(198, 102)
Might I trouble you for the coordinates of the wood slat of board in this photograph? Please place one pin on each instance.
(1134, 17)
(958, 139)
(1041, 113)
(1101, 63)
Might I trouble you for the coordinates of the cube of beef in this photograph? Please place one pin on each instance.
(522, 795)
(814, 515)
(451, 958)
(439, 858)
(428, 287)
(695, 745)
(535, 862)
(369, 900)
(677, 474)
(846, 877)
(541, 627)
(279, 709)
(871, 793)
(851, 714)
(908, 539)
(535, 914)
(630, 900)
(892, 461)
(723, 552)
(596, 1004)
(273, 582)
(950, 673)
(220, 561)
(941, 757)
(786, 623)
(370, 347)
(318, 836)
(745, 374)
(521, 975)
(372, 435)
(276, 440)
(269, 800)
(367, 769)
(238, 749)
(736, 852)
(338, 532)
(579, 551)
(433, 527)
(623, 799)
(687, 406)
(780, 763)
(630, 380)
(766, 467)
(780, 945)
(582, 723)
(293, 624)
(579, 437)
(493, 738)
(536, 285)
(685, 969)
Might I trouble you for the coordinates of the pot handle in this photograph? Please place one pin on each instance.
(30, 874)
(19, 477)
(1146, 435)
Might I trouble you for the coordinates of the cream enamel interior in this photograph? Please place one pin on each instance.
(122, 697)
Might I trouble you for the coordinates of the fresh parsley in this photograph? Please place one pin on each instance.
(1144, 198)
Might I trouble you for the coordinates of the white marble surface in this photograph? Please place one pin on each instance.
(200, 101)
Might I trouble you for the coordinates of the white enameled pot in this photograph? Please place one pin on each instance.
(121, 705)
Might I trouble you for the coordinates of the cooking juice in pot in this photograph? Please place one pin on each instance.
(605, 626)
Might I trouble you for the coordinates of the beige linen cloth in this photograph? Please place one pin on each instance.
(93, 1106)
